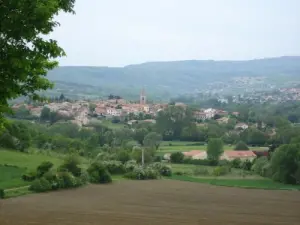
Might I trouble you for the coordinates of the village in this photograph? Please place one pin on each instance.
(82, 111)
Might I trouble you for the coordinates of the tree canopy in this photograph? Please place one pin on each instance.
(26, 54)
(214, 148)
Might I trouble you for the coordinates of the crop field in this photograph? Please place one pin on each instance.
(153, 202)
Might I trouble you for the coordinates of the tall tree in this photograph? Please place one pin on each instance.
(285, 164)
(140, 134)
(214, 148)
(26, 56)
(152, 140)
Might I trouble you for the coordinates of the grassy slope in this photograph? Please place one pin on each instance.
(10, 177)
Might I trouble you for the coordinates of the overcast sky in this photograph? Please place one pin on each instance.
(122, 32)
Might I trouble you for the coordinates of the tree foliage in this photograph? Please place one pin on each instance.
(26, 55)
(152, 140)
(240, 146)
(214, 148)
(285, 164)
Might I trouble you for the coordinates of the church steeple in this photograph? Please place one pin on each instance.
(143, 97)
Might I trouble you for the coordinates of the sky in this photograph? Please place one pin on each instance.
(123, 32)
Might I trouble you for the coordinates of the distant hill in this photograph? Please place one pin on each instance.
(177, 77)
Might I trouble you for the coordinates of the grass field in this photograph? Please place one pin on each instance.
(241, 183)
(10, 177)
(24, 160)
(175, 146)
(188, 170)
(162, 202)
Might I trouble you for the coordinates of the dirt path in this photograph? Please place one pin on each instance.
(154, 202)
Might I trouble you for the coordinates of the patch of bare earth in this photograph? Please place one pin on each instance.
(153, 202)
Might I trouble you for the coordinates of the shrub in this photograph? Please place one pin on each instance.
(130, 165)
(114, 167)
(99, 174)
(140, 173)
(246, 165)
(187, 161)
(158, 158)
(43, 168)
(266, 170)
(163, 169)
(84, 177)
(2, 194)
(200, 171)
(236, 163)
(204, 162)
(224, 162)
(29, 176)
(71, 164)
(123, 156)
(177, 157)
(179, 173)
(66, 180)
(221, 170)
(258, 165)
(40, 185)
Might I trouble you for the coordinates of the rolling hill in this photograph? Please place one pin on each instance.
(171, 78)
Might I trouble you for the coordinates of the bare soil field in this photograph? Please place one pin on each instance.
(153, 202)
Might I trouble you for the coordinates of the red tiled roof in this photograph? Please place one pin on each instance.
(192, 153)
(239, 154)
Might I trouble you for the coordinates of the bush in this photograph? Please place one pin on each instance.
(29, 176)
(258, 165)
(43, 168)
(140, 173)
(204, 162)
(187, 161)
(177, 157)
(199, 171)
(221, 170)
(130, 165)
(163, 169)
(266, 170)
(246, 165)
(40, 185)
(123, 156)
(2, 194)
(158, 158)
(71, 165)
(224, 162)
(236, 163)
(66, 180)
(114, 167)
(179, 173)
(99, 174)
(84, 177)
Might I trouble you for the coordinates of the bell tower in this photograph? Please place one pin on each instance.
(143, 97)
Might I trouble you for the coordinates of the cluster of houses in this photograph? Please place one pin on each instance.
(80, 111)
(207, 114)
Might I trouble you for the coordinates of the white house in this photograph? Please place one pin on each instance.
(242, 126)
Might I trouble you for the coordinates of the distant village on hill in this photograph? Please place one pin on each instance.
(81, 112)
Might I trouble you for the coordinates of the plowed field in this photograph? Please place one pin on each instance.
(160, 202)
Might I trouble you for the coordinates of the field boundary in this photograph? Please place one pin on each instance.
(263, 184)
